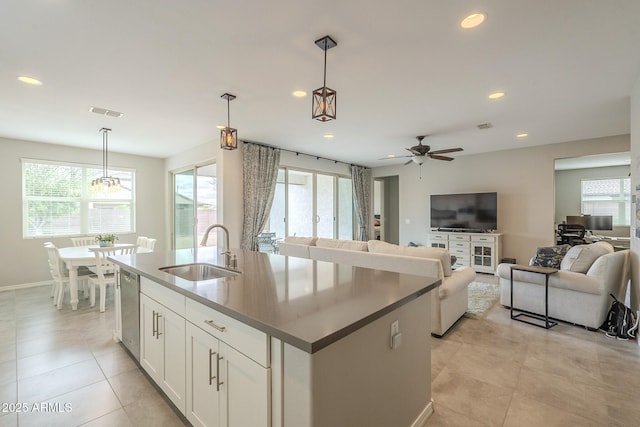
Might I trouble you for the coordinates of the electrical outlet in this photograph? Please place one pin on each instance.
(395, 327)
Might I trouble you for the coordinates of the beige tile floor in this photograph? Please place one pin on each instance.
(68, 358)
(498, 372)
(486, 372)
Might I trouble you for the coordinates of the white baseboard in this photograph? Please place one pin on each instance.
(25, 285)
(424, 415)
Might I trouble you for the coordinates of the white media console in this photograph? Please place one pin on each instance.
(482, 251)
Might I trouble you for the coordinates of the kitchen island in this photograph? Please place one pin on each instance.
(287, 342)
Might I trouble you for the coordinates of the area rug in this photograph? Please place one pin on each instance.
(482, 296)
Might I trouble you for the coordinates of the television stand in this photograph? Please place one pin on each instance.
(480, 250)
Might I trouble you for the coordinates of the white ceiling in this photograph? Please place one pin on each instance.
(401, 69)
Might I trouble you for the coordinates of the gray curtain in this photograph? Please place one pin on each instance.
(260, 171)
(361, 183)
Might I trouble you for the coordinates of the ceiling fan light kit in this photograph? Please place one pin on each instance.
(324, 99)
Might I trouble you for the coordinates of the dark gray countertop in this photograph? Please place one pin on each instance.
(308, 304)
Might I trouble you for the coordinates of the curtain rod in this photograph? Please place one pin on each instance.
(300, 153)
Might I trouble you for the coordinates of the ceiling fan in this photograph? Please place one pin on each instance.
(420, 153)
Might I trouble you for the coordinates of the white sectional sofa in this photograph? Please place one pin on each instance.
(578, 292)
(448, 303)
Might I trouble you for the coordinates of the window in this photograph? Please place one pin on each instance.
(57, 201)
(610, 196)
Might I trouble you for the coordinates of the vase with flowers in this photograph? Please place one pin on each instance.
(105, 240)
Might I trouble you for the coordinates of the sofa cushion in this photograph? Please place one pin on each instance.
(579, 258)
(377, 246)
(550, 256)
(300, 240)
(352, 245)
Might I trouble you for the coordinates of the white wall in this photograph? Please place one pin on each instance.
(523, 179)
(24, 260)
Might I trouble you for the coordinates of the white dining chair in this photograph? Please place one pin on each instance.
(142, 241)
(150, 243)
(83, 241)
(59, 274)
(105, 274)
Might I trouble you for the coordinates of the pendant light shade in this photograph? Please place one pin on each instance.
(228, 135)
(323, 101)
(105, 183)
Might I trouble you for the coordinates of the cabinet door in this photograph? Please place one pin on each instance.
(203, 407)
(151, 347)
(171, 329)
(246, 391)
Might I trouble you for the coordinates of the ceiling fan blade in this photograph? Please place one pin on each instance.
(434, 156)
(409, 162)
(416, 152)
(394, 157)
(449, 150)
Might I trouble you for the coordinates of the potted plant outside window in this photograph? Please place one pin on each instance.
(105, 240)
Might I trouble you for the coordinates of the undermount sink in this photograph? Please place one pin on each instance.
(199, 271)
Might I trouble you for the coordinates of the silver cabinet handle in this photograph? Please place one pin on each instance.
(158, 333)
(154, 325)
(211, 377)
(214, 325)
(218, 382)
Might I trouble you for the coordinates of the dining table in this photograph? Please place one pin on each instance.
(83, 256)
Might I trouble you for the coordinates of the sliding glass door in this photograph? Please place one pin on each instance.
(194, 205)
(310, 203)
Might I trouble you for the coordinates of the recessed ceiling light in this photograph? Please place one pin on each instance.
(328, 136)
(522, 135)
(299, 93)
(30, 80)
(220, 127)
(473, 20)
(496, 95)
(390, 156)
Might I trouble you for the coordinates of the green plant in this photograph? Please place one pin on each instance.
(110, 237)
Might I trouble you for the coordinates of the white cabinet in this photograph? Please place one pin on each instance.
(481, 251)
(224, 387)
(162, 347)
(484, 250)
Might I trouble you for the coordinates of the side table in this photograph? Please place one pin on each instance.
(519, 317)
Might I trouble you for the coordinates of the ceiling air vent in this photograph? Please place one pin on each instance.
(105, 112)
(482, 126)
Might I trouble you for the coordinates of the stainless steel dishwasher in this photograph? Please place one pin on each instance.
(130, 303)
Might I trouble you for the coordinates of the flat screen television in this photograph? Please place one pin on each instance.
(592, 222)
(464, 212)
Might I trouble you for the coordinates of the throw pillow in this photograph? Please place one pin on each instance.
(579, 258)
(550, 256)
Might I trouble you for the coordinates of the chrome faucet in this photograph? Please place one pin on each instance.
(227, 252)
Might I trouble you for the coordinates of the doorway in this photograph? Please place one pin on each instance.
(386, 209)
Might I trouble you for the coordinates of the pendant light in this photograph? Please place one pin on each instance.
(323, 102)
(105, 183)
(228, 135)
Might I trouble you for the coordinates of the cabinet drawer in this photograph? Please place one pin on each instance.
(461, 245)
(438, 236)
(459, 251)
(165, 296)
(460, 237)
(484, 239)
(247, 340)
